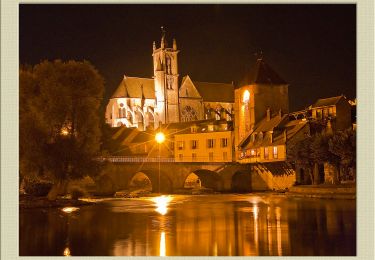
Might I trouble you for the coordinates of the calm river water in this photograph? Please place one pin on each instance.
(204, 225)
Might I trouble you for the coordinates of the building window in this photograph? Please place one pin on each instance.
(224, 142)
(330, 111)
(319, 113)
(211, 156)
(193, 157)
(194, 144)
(325, 113)
(225, 156)
(266, 155)
(246, 96)
(275, 152)
(210, 143)
(180, 145)
(252, 153)
(180, 156)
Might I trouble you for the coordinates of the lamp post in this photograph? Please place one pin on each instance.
(159, 138)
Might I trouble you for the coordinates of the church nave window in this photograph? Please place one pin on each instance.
(189, 114)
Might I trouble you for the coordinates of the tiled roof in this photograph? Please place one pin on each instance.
(277, 124)
(132, 87)
(215, 92)
(262, 73)
(327, 101)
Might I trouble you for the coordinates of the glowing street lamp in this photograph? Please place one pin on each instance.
(160, 138)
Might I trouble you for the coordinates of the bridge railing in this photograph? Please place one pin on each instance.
(130, 159)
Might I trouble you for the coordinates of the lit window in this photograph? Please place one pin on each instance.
(210, 143)
(194, 144)
(246, 96)
(252, 153)
(275, 152)
(266, 156)
(224, 142)
(180, 145)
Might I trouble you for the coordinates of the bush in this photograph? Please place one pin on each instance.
(38, 188)
(77, 193)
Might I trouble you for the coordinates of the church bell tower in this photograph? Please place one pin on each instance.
(166, 80)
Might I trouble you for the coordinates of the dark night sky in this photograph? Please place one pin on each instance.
(313, 47)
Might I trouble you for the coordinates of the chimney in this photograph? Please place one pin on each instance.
(268, 114)
(284, 134)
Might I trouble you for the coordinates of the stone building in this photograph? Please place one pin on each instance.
(145, 103)
(262, 88)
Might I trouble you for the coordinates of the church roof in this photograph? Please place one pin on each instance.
(215, 92)
(132, 87)
(327, 101)
(262, 73)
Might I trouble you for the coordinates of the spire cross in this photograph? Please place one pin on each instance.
(162, 30)
(259, 55)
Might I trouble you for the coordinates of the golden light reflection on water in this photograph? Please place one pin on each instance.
(162, 248)
(67, 251)
(162, 204)
(69, 209)
(256, 227)
(278, 231)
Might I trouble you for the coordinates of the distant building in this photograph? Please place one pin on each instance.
(145, 103)
(332, 114)
(268, 141)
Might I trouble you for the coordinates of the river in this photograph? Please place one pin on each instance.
(202, 225)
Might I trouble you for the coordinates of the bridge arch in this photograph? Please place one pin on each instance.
(207, 178)
(241, 182)
(151, 180)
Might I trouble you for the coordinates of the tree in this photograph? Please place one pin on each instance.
(300, 153)
(59, 119)
(320, 153)
(343, 145)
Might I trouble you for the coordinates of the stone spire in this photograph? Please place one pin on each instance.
(163, 41)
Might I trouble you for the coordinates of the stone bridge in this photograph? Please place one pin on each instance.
(167, 176)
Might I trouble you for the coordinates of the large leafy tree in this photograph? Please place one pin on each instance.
(59, 119)
(300, 153)
(343, 145)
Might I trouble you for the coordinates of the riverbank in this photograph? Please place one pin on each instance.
(28, 202)
(324, 191)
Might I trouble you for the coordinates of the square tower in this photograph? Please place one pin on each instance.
(261, 89)
(166, 80)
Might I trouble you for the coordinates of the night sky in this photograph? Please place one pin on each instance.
(312, 47)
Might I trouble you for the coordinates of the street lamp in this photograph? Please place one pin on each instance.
(159, 138)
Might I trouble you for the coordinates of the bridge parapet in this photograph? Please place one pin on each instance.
(132, 159)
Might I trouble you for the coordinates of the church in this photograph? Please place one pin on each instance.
(145, 103)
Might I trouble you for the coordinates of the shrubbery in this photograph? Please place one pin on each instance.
(77, 193)
(38, 188)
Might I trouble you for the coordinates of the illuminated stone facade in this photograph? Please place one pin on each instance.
(145, 103)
